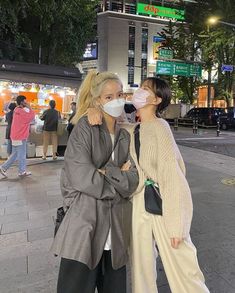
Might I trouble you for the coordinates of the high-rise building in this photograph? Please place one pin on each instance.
(128, 36)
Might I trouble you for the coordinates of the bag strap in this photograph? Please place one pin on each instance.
(137, 141)
(148, 181)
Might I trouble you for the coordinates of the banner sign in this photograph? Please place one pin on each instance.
(158, 42)
(160, 11)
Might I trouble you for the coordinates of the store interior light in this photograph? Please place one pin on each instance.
(62, 94)
(14, 90)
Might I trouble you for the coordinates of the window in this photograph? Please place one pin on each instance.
(117, 6)
(144, 54)
(131, 55)
(130, 7)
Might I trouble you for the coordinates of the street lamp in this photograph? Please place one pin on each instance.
(214, 20)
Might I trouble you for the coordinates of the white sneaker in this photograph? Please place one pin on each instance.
(3, 172)
(24, 174)
(44, 158)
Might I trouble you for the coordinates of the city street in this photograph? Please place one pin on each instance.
(27, 210)
(206, 139)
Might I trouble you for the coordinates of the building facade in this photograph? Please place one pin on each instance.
(128, 38)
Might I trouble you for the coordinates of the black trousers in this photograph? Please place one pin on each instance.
(76, 277)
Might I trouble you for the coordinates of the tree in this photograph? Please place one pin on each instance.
(192, 41)
(50, 32)
(182, 40)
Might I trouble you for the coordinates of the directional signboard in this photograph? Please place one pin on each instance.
(178, 68)
(165, 68)
(166, 53)
(226, 67)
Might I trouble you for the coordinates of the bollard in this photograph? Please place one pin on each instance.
(196, 125)
(175, 124)
(218, 127)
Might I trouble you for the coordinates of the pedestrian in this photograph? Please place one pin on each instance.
(96, 182)
(22, 117)
(6, 105)
(9, 118)
(159, 161)
(51, 119)
(70, 125)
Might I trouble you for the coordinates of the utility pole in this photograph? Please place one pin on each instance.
(209, 74)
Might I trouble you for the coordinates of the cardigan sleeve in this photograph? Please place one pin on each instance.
(177, 202)
(80, 174)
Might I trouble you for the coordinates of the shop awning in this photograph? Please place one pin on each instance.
(38, 73)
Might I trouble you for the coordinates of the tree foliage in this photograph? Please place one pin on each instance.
(60, 29)
(193, 40)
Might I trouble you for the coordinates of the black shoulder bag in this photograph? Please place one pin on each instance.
(152, 196)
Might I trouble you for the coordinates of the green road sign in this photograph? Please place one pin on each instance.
(181, 69)
(178, 68)
(165, 68)
(160, 11)
(166, 53)
(195, 70)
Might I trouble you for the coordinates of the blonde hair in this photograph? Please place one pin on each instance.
(90, 90)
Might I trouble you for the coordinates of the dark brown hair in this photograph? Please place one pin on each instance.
(161, 89)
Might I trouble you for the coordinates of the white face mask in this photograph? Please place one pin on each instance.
(114, 108)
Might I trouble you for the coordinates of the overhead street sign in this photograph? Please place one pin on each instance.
(227, 67)
(166, 53)
(178, 68)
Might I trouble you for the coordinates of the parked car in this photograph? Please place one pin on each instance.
(205, 116)
(227, 119)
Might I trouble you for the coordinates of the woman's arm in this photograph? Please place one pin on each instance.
(80, 171)
(125, 182)
(177, 204)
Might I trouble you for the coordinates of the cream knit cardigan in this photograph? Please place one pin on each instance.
(161, 161)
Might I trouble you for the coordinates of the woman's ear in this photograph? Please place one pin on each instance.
(157, 101)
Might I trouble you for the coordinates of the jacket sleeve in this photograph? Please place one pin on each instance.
(79, 169)
(28, 116)
(177, 203)
(125, 182)
(43, 116)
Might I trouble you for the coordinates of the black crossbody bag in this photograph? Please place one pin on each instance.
(152, 196)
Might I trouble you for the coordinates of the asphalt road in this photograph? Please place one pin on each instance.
(206, 139)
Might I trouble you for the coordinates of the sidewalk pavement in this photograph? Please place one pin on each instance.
(27, 208)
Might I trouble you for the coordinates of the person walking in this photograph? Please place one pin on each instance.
(22, 117)
(160, 163)
(97, 181)
(70, 125)
(9, 118)
(51, 119)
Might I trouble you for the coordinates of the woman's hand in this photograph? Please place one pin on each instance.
(94, 116)
(126, 166)
(102, 171)
(175, 242)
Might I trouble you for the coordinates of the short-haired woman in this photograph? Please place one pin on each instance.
(160, 160)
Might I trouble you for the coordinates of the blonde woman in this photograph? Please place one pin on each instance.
(159, 161)
(96, 182)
